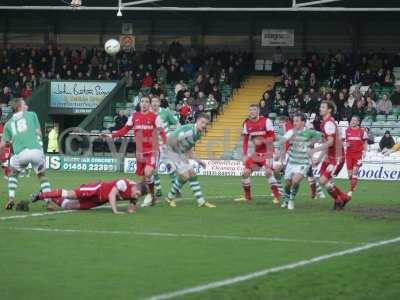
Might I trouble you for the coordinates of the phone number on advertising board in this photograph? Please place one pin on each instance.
(89, 167)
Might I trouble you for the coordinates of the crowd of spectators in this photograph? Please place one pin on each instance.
(23, 69)
(348, 79)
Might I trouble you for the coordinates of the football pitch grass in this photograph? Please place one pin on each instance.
(198, 253)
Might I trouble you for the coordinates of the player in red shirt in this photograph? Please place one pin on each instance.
(333, 158)
(88, 196)
(146, 133)
(356, 145)
(260, 131)
(5, 156)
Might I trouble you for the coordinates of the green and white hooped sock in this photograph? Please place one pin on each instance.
(176, 187)
(196, 189)
(45, 186)
(157, 182)
(12, 185)
(293, 192)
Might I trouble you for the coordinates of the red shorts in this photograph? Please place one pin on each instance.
(89, 196)
(145, 160)
(353, 160)
(5, 154)
(257, 161)
(329, 168)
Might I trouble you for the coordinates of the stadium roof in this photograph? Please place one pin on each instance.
(210, 5)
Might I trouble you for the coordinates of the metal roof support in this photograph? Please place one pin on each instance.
(209, 9)
(311, 3)
(133, 3)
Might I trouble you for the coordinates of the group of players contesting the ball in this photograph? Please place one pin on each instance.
(159, 137)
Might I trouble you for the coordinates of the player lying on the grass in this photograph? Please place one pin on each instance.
(300, 140)
(24, 135)
(180, 144)
(261, 132)
(88, 196)
(165, 119)
(356, 145)
(332, 162)
(146, 131)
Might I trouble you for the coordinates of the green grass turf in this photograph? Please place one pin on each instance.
(94, 264)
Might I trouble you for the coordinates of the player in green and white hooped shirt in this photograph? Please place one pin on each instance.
(23, 133)
(165, 119)
(300, 139)
(180, 145)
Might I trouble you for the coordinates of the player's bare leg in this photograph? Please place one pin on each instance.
(277, 174)
(276, 195)
(353, 180)
(338, 196)
(246, 184)
(148, 178)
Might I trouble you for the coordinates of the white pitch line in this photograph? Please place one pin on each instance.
(37, 214)
(265, 272)
(181, 235)
(120, 205)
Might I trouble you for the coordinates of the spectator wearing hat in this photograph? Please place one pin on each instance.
(386, 142)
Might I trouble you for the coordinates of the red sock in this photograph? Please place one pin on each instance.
(313, 189)
(151, 188)
(335, 193)
(51, 195)
(353, 183)
(6, 171)
(275, 191)
(247, 192)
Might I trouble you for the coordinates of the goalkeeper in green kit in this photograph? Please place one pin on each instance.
(24, 135)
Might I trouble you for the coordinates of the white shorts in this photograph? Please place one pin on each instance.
(180, 161)
(35, 157)
(292, 169)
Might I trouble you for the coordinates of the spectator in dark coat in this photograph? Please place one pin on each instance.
(264, 111)
(386, 142)
(120, 120)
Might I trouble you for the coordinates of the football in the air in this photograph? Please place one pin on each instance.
(112, 47)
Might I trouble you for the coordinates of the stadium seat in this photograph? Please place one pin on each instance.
(381, 117)
(272, 116)
(366, 123)
(108, 122)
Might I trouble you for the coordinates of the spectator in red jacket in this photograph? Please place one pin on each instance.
(184, 112)
(27, 90)
(147, 81)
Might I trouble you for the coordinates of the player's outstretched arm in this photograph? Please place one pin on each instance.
(323, 147)
(112, 198)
